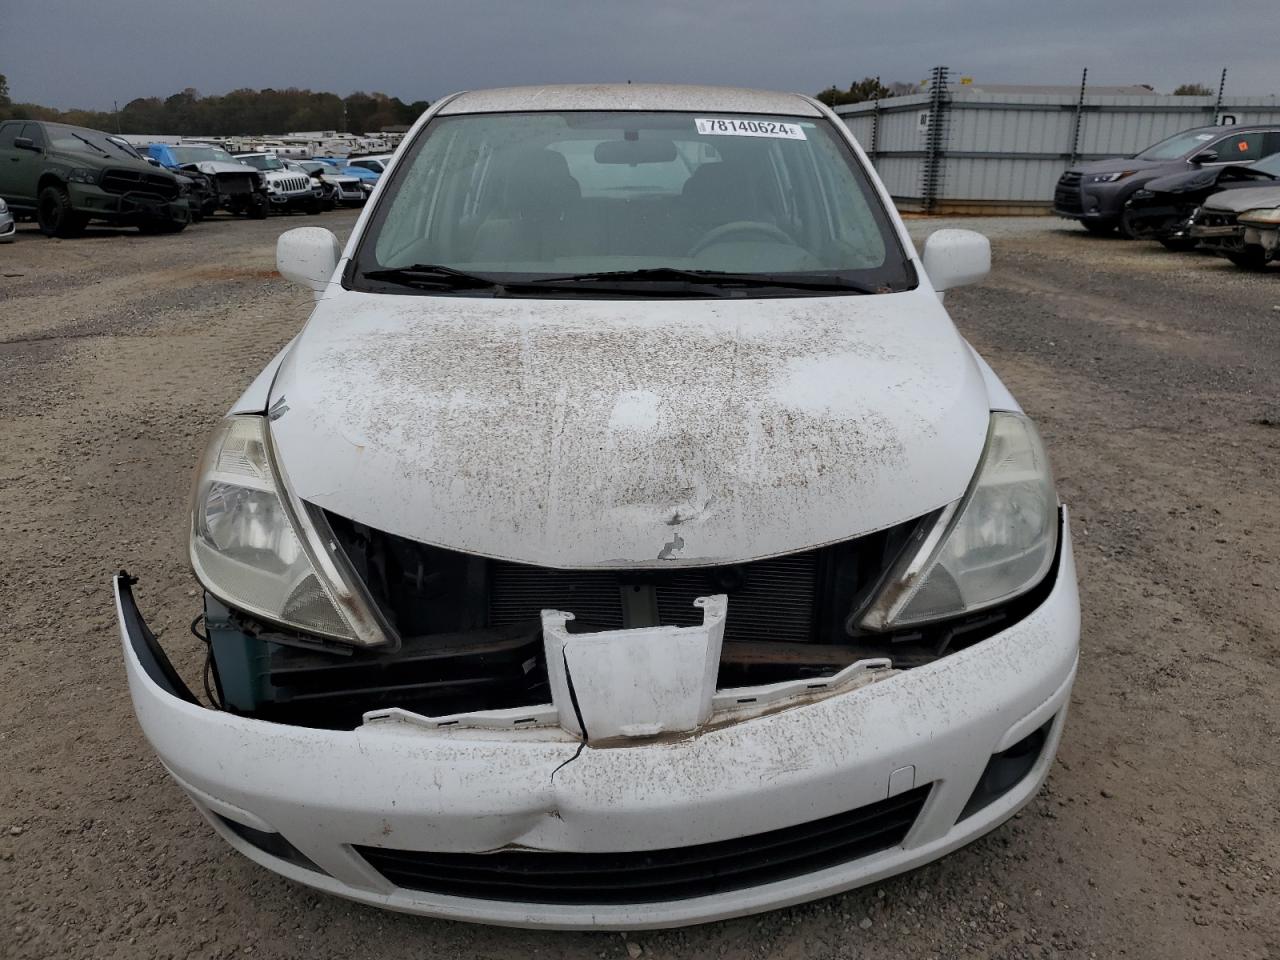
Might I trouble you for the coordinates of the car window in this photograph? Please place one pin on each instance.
(1179, 145)
(558, 193)
(33, 132)
(1238, 147)
(1270, 143)
(8, 133)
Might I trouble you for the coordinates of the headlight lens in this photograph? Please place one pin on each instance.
(4, 207)
(1263, 215)
(246, 548)
(1111, 177)
(83, 175)
(996, 543)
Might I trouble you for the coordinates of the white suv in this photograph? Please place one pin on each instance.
(286, 189)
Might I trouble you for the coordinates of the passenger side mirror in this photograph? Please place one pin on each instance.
(308, 256)
(25, 143)
(954, 258)
(1206, 156)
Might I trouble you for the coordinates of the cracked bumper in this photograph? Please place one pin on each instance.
(410, 788)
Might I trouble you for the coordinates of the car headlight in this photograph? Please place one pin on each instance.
(996, 542)
(1111, 177)
(4, 207)
(83, 175)
(1262, 215)
(259, 551)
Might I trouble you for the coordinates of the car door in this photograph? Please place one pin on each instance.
(25, 163)
(9, 160)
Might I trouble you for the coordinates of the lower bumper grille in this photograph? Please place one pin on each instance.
(654, 876)
(1066, 196)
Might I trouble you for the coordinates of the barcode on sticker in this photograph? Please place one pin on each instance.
(733, 127)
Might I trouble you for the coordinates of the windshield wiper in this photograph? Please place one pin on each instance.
(91, 143)
(713, 278)
(433, 276)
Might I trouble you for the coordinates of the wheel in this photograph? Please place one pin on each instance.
(1250, 258)
(1099, 228)
(1178, 244)
(259, 208)
(55, 215)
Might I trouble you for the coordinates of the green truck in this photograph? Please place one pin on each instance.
(67, 176)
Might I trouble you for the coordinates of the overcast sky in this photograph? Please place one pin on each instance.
(87, 53)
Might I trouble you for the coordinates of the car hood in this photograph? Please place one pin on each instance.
(1237, 201)
(221, 166)
(579, 433)
(1117, 164)
(1228, 178)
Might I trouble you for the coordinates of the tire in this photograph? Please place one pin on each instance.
(1250, 258)
(259, 208)
(1178, 244)
(1099, 228)
(55, 215)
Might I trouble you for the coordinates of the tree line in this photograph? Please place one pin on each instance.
(241, 112)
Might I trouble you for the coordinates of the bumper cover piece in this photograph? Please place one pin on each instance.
(355, 802)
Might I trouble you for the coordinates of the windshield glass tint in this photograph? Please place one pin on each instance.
(559, 194)
(1177, 146)
(262, 163)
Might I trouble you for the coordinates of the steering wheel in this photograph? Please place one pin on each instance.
(741, 227)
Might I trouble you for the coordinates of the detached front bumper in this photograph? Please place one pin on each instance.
(488, 825)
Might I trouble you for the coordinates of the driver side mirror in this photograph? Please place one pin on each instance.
(25, 143)
(1206, 156)
(308, 256)
(954, 258)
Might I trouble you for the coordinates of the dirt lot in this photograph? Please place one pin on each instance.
(1153, 376)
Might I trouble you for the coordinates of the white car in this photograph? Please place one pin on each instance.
(629, 539)
(8, 228)
(346, 189)
(377, 162)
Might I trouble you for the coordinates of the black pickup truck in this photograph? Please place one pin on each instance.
(67, 176)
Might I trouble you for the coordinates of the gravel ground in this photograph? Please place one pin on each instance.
(1153, 377)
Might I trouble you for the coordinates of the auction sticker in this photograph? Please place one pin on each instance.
(736, 127)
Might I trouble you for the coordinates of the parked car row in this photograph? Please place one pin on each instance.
(65, 177)
(1211, 188)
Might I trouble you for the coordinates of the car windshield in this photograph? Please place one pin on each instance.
(87, 141)
(201, 155)
(262, 163)
(536, 195)
(1269, 165)
(311, 166)
(1179, 145)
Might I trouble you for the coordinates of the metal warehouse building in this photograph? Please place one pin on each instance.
(963, 149)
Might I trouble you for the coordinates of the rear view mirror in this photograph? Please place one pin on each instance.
(24, 143)
(954, 258)
(1206, 156)
(635, 151)
(308, 256)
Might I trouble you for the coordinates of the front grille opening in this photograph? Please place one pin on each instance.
(654, 876)
(472, 638)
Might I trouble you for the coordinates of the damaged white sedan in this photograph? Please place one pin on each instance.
(629, 539)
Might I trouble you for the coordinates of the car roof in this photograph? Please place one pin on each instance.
(631, 96)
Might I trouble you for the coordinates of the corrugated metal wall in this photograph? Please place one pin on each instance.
(1008, 150)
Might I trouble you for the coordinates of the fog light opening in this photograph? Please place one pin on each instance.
(1006, 769)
